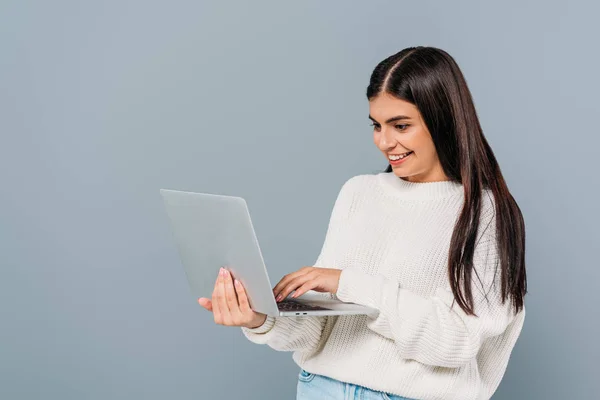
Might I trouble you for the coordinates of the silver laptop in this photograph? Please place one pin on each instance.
(214, 231)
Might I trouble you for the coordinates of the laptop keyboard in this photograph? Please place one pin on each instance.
(291, 305)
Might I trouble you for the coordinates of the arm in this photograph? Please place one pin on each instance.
(303, 333)
(431, 330)
(288, 333)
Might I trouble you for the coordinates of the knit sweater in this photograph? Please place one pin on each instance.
(391, 239)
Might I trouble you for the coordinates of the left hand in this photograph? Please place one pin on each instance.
(308, 278)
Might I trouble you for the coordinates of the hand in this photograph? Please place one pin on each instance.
(230, 304)
(308, 278)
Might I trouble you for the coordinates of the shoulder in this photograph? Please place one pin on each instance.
(358, 181)
(487, 218)
(357, 184)
(488, 203)
(350, 193)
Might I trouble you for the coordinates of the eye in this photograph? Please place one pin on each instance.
(401, 127)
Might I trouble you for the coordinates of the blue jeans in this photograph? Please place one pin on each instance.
(318, 387)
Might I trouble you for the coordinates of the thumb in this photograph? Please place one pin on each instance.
(206, 303)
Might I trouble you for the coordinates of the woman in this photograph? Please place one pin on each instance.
(436, 243)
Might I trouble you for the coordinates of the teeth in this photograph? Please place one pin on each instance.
(395, 158)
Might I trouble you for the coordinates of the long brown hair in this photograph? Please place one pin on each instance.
(430, 79)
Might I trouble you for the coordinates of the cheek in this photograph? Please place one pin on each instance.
(421, 143)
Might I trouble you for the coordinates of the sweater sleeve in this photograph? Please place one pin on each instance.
(303, 333)
(433, 330)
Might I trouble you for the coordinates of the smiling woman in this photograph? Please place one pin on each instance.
(435, 243)
(404, 136)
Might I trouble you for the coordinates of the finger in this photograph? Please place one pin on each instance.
(218, 316)
(293, 275)
(293, 285)
(284, 281)
(230, 295)
(287, 279)
(206, 303)
(304, 288)
(223, 306)
(242, 297)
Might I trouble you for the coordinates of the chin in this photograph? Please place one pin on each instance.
(399, 173)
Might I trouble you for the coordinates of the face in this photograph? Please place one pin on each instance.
(399, 129)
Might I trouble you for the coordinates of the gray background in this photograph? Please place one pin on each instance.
(103, 103)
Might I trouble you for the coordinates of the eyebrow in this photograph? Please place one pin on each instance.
(393, 119)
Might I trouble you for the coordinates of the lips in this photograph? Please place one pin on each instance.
(401, 160)
(402, 154)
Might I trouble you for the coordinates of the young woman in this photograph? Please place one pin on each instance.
(436, 242)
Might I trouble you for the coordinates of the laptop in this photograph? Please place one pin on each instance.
(213, 231)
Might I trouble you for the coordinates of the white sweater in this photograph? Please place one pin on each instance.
(391, 239)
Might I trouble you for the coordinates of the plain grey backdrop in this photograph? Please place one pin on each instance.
(104, 103)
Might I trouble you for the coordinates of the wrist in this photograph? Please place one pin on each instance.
(257, 324)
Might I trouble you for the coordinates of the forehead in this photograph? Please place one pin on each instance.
(385, 106)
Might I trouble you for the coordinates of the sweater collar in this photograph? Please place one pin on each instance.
(420, 190)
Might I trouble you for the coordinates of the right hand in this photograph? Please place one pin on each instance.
(230, 305)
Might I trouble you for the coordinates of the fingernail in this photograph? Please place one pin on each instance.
(222, 271)
(279, 297)
(236, 282)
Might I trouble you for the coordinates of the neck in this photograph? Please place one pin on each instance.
(421, 190)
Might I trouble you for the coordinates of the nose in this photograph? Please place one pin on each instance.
(386, 140)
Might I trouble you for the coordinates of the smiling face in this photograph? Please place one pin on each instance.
(398, 130)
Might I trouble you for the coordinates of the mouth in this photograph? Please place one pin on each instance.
(396, 159)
